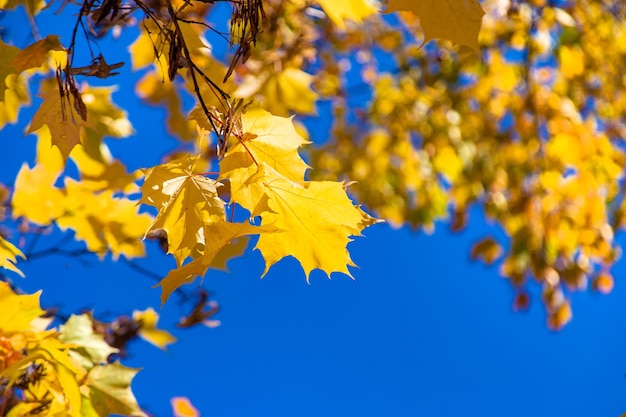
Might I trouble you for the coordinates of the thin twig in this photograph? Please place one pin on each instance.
(192, 67)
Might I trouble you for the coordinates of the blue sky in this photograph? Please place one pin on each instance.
(421, 331)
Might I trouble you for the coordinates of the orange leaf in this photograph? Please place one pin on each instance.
(182, 407)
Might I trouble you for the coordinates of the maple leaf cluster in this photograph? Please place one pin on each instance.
(309, 220)
(57, 371)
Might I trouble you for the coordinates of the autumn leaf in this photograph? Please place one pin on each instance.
(13, 88)
(105, 222)
(487, 250)
(182, 407)
(148, 330)
(267, 139)
(90, 347)
(8, 256)
(18, 311)
(217, 236)
(355, 10)
(8, 53)
(32, 6)
(457, 20)
(187, 202)
(572, 61)
(63, 121)
(266, 174)
(15, 96)
(315, 221)
(107, 118)
(98, 171)
(102, 220)
(110, 390)
(35, 55)
(280, 92)
(559, 317)
(35, 196)
(603, 283)
(67, 372)
(233, 250)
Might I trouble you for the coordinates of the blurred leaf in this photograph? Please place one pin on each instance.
(19, 311)
(355, 10)
(148, 330)
(182, 407)
(9, 255)
(110, 390)
(487, 250)
(91, 348)
(457, 20)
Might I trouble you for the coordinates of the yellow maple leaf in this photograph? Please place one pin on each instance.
(315, 221)
(62, 120)
(107, 119)
(13, 87)
(280, 92)
(234, 249)
(110, 390)
(217, 236)
(267, 139)
(15, 96)
(148, 330)
(35, 55)
(35, 197)
(8, 256)
(457, 20)
(49, 156)
(102, 221)
(148, 41)
(18, 311)
(7, 53)
(355, 10)
(99, 171)
(32, 6)
(187, 202)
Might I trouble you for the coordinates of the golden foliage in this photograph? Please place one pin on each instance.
(457, 20)
(311, 221)
(533, 133)
(58, 372)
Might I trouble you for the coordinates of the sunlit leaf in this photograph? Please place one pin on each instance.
(148, 330)
(110, 390)
(457, 20)
(19, 310)
(93, 349)
(8, 256)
